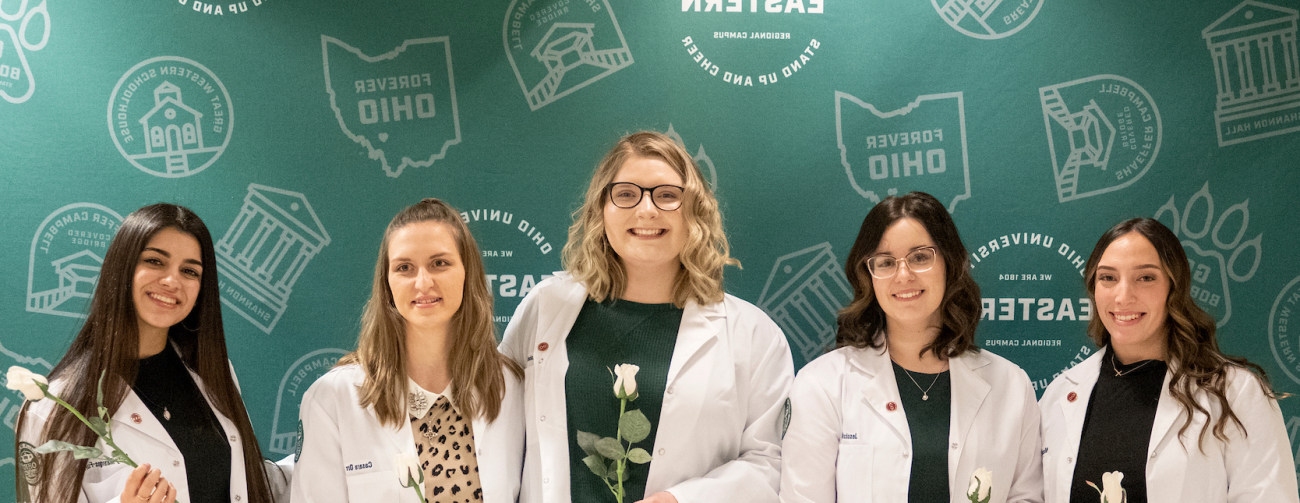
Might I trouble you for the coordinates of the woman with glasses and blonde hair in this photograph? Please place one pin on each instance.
(426, 381)
(908, 408)
(643, 286)
(1159, 413)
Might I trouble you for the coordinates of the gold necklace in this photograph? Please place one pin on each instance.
(1126, 372)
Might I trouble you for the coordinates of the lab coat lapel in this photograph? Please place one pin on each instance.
(131, 409)
(700, 326)
(1163, 432)
(880, 389)
(968, 393)
(558, 314)
(1082, 378)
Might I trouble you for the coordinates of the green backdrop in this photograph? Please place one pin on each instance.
(297, 129)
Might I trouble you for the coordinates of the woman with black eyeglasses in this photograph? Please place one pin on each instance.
(643, 286)
(908, 409)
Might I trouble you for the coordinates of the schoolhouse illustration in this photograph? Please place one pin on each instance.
(265, 250)
(804, 294)
(566, 47)
(172, 128)
(77, 272)
(1256, 72)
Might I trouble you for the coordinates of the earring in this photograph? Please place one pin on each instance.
(195, 329)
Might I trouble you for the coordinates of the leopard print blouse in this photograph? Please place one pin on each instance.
(444, 441)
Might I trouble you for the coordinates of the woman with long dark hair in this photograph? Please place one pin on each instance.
(1159, 403)
(908, 408)
(154, 332)
(426, 381)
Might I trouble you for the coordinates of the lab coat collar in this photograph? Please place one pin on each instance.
(133, 407)
(968, 393)
(1081, 379)
(700, 325)
(881, 389)
(566, 303)
(420, 400)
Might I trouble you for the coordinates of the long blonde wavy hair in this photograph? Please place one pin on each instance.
(592, 262)
(473, 363)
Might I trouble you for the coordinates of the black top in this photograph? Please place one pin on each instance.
(928, 420)
(1117, 429)
(166, 388)
(604, 335)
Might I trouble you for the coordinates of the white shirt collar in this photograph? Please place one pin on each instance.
(420, 400)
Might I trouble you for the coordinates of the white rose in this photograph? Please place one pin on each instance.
(407, 467)
(982, 481)
(24, 380)
(625, 379)
(1111, 490)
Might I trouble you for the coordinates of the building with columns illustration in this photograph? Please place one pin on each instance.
(265, 250)
(1256, 71)
(803, 295)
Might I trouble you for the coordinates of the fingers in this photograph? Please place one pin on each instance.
(165, 493)
(133, 482)
(150, 485)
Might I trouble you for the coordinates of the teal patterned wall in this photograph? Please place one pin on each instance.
(297, 129)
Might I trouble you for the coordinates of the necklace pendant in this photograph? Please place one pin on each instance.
(925, 396)
(167, 414)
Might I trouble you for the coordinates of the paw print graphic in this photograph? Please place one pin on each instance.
(16, 82)
(1208, 236)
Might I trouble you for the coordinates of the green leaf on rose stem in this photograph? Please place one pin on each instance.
(627, 473)
(78, 451)
(634, 426)
(98, 425)
(610, 448)
(587, 441)
(99, 389)
(596, 464)
(612, 472)
(121, 457)
(638, 456)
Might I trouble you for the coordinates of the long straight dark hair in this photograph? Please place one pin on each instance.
(109, 343)
(959, 311)
(1192, 349)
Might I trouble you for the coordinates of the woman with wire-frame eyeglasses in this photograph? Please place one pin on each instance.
(908, 408)
(643, 285)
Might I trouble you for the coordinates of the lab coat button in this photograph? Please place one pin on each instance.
(954, 445)
(661, 451)
(176, 463)
(546, 481)
(238, 497)
(906, 454)
(1153, 455)
(1069, 459)
(543, 418)
(234, 438)
(670, 391)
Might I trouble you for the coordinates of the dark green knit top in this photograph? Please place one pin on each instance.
(604, 335)
(928, 420)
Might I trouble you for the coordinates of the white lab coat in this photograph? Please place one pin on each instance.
(845, 444)
(1254, 468)
(719, 433)
(347, 455)
(148, 442)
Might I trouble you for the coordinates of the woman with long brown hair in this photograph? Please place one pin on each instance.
(643, 286)
(154, 332)
(908, 408)
(425, 381)
(1159, 403)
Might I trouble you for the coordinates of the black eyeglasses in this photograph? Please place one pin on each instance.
(628, 195)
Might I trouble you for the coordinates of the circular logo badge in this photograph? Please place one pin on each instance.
(29, 463)
(1283, 331)
(170, 116)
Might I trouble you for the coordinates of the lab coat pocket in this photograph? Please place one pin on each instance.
(853, 473)
(377, 486)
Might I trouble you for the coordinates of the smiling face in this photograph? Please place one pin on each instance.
(1131, 289)
(645, 237)
(166, 281)
(909, 298)
(425, 274)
